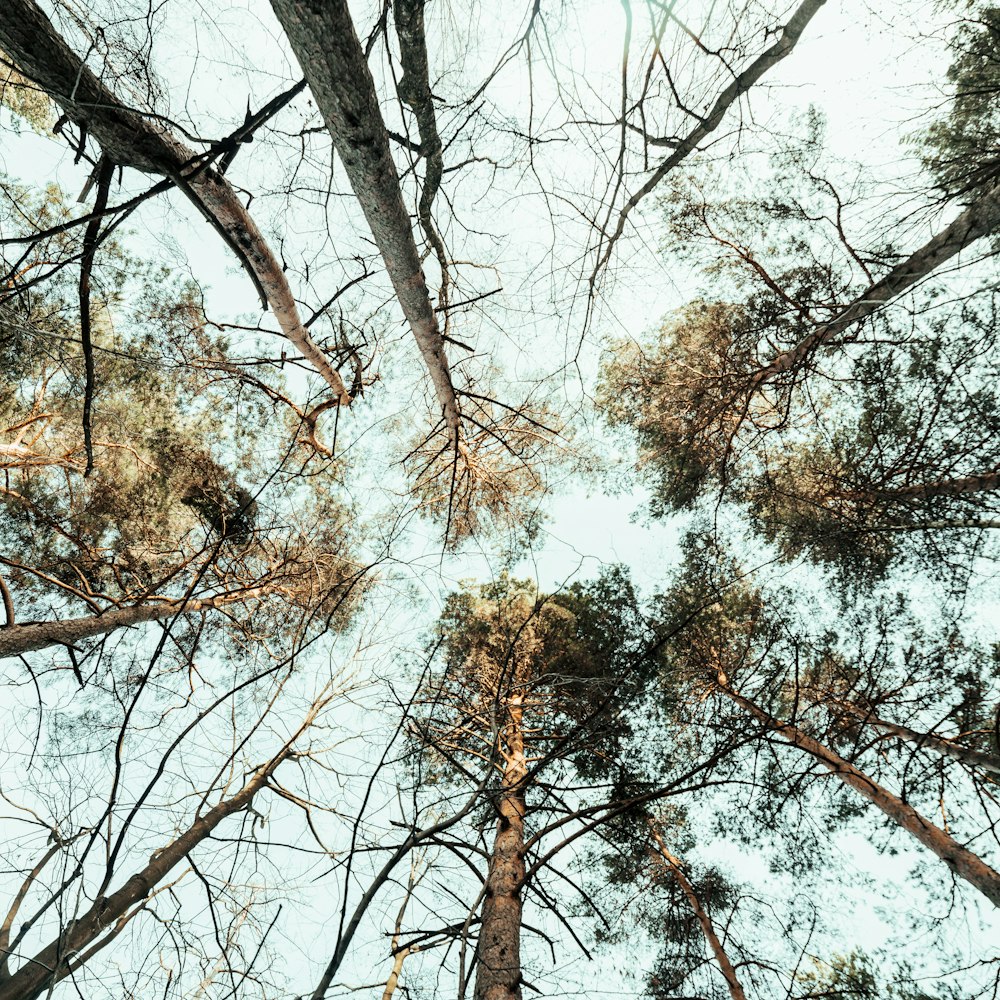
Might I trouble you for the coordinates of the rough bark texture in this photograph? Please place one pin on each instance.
(498, 973)
(56, 961)
(324, 40)
(974, 758)
(705, 921)
(978, 220)
(130, 140)
(28, 636)
(960, 860)
(741, 85)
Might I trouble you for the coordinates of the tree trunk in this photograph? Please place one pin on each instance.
(498, 974)
(978, 220)
(974, 758)
(985, 482)
(28, 636)
(959, 859)
(707, 927)
(131, 140)
(323, 38)
(56, 961)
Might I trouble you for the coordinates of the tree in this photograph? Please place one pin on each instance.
(528, 680)
(577, 791)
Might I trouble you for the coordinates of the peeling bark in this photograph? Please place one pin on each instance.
(130, 140)
(55, 961)
(960, 860)
(705, 921)
(28, 636)
(324, 40)
(498, 973)
(978, 220)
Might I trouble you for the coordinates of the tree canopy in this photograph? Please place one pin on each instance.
(499, 500)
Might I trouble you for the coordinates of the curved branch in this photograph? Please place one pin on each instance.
(129, 139)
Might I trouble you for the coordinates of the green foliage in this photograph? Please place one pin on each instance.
(962, 150)
(190, 486)
(575, 658)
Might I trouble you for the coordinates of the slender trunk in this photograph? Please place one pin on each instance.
(959, 859)
(974, 758)
(740, 86)
(324, 40)
(498, 974)
(28, 636)
(414, 89)
(129, 139)
(978, 220)
(57, 959)
(707, 927)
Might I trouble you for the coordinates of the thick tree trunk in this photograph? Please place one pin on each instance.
(960, 860)
(130, 140)
(324, 40)
(58, 959)
(704, 920)
(978, 220)
(498, 973)
(28, 636)
(974, 758)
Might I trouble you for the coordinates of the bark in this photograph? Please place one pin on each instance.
(978, 220)
(29, 636)
(415, 90)
(707, 927)
(130, 140)
(498, 973)
(324, 40)
(984, 483)
(959, 859)
(973, 758)
(740, 86)
(56, 960)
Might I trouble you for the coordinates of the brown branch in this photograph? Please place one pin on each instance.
(978, 220)
(740, 86)
(130, 139)
(963, 862)
(28, 636)
(973, 758)
(673, 865)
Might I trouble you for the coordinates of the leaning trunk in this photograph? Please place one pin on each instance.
(498, 975)
(986, 482)
(326, 44)
(29, 636)
(85, 935)
(129, 139)
(980, 219)
(673, 865)
(961, 861)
